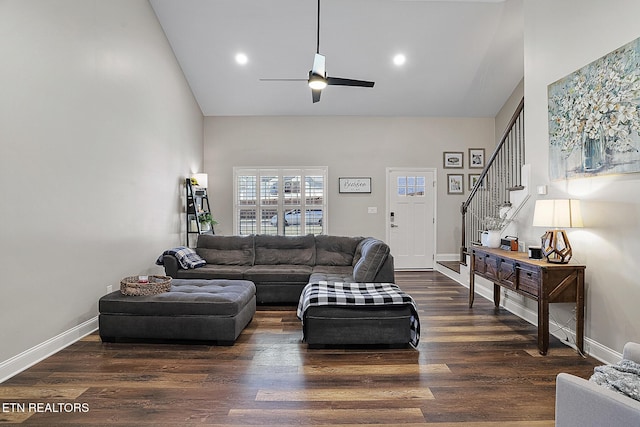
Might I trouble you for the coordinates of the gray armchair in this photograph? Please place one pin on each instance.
(583, 403)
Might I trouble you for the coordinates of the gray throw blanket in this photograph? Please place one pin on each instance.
(187, 257)
(623, 378)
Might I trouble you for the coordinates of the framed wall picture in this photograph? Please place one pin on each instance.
(453, 159)
(455, 183)
(473, 179)
(594, 117)
(354, 185)
(476, 158)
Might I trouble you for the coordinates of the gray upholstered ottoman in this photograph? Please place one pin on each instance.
(344, 314)
(214, 311)
(388, 326)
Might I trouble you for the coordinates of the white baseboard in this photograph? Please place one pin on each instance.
(447, 257)
(600, 352)
(30, 357)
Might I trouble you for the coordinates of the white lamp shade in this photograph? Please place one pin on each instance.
(202, 178)
(557, 213)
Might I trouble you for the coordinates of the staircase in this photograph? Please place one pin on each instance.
(499, 190)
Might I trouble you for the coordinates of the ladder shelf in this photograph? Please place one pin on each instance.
(197, 206)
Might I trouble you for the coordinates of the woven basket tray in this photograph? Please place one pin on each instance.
(156, 285)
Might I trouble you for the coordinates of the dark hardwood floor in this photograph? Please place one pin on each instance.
(451, 265)
(472, 368)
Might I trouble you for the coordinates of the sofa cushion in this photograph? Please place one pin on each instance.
(281, 273)
(226, 250)
(335, 250)
(340, 273)
(341, 270)
(344, 275)
(211, 271)
(291, 250)
(370, 257)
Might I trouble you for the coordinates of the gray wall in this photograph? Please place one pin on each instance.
(558, 42)
(506, 112)
(97, 128)
(349, 146)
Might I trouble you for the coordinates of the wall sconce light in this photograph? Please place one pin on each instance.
(562, 213)
(202, 179)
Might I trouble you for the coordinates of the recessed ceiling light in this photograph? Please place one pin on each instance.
(241, 58)
(399, 59)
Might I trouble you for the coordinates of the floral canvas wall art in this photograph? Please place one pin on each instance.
(594, 117)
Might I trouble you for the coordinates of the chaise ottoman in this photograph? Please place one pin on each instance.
(355, 314)
(211, 311)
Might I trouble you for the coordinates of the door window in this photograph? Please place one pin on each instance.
(410, 186)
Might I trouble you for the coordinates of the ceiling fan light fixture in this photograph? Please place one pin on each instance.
(317, 82)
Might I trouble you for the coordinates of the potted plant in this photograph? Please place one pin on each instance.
(206, 221)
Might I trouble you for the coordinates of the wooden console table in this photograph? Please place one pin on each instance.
(536, 279)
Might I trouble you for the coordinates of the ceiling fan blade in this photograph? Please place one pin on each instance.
(315, 94)
(338, 81)
(318, 65)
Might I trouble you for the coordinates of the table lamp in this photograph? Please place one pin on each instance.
(558, 213)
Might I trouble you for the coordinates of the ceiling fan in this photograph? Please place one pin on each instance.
(318, 78)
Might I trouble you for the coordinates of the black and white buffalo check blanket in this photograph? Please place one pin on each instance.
(361, 294)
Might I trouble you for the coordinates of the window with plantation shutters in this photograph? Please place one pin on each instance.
(280, 201)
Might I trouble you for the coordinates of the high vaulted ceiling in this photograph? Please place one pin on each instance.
(463, 58)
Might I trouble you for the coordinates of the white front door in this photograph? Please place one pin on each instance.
(411, 217)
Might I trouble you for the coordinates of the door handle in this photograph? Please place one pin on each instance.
(394, 225)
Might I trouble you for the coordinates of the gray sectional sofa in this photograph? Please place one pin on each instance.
(281, 266)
